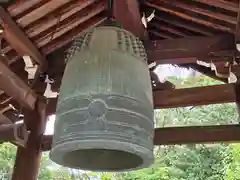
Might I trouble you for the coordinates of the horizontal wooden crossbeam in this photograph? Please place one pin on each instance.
(197, 134)
(196, 96)
(184, 135)
(16, 133)
(189, 48)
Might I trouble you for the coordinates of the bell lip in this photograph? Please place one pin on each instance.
(145, 154)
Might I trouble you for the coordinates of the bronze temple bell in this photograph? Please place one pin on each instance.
(104, 118)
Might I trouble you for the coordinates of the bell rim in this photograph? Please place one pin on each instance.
(146, 154)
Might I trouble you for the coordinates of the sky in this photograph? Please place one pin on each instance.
(50, 125)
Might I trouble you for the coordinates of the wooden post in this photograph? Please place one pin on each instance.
(237, 93)
(28, 159)
(27, 163)
(127, 13)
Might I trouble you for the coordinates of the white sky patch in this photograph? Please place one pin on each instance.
(50, 125)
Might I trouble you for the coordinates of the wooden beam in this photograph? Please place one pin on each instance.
(197, 135)
(127, 13)
(18, 40)
(161, 34)
(41, 11)
(168, 29)
(32, 152)
(196, 96)
(13, 86)
(237, 92)
(7, 132)
(189, 47)
(237, 32)
(206, 71)
(46, 142)
(27, 163)
(186, 25)
(19, 7)
(4, 120)
(183, 135)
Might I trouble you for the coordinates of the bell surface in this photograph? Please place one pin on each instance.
(104, 118)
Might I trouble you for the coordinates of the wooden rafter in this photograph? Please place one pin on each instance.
(170, 30)
(161, 34)
(21, 6)
(62, 14)
(70, 35)
(186, 25)
(201, 11)
(220, 4)
(237, 32)
(65, 27)
(18, 40)
(72, 22)
(41, 12)
(161, 7)
(166, 51)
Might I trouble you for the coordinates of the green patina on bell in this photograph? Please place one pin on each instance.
(104, 118)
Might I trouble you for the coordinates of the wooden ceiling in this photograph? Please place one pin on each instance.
(182, 18)
(51, 24)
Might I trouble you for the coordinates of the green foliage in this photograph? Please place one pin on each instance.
(194, 81)
(106, 177)
(233, 165)
(7, 157)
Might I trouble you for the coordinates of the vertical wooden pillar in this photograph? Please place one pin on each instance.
(28, 159)
(27, 163)
(237, 93)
